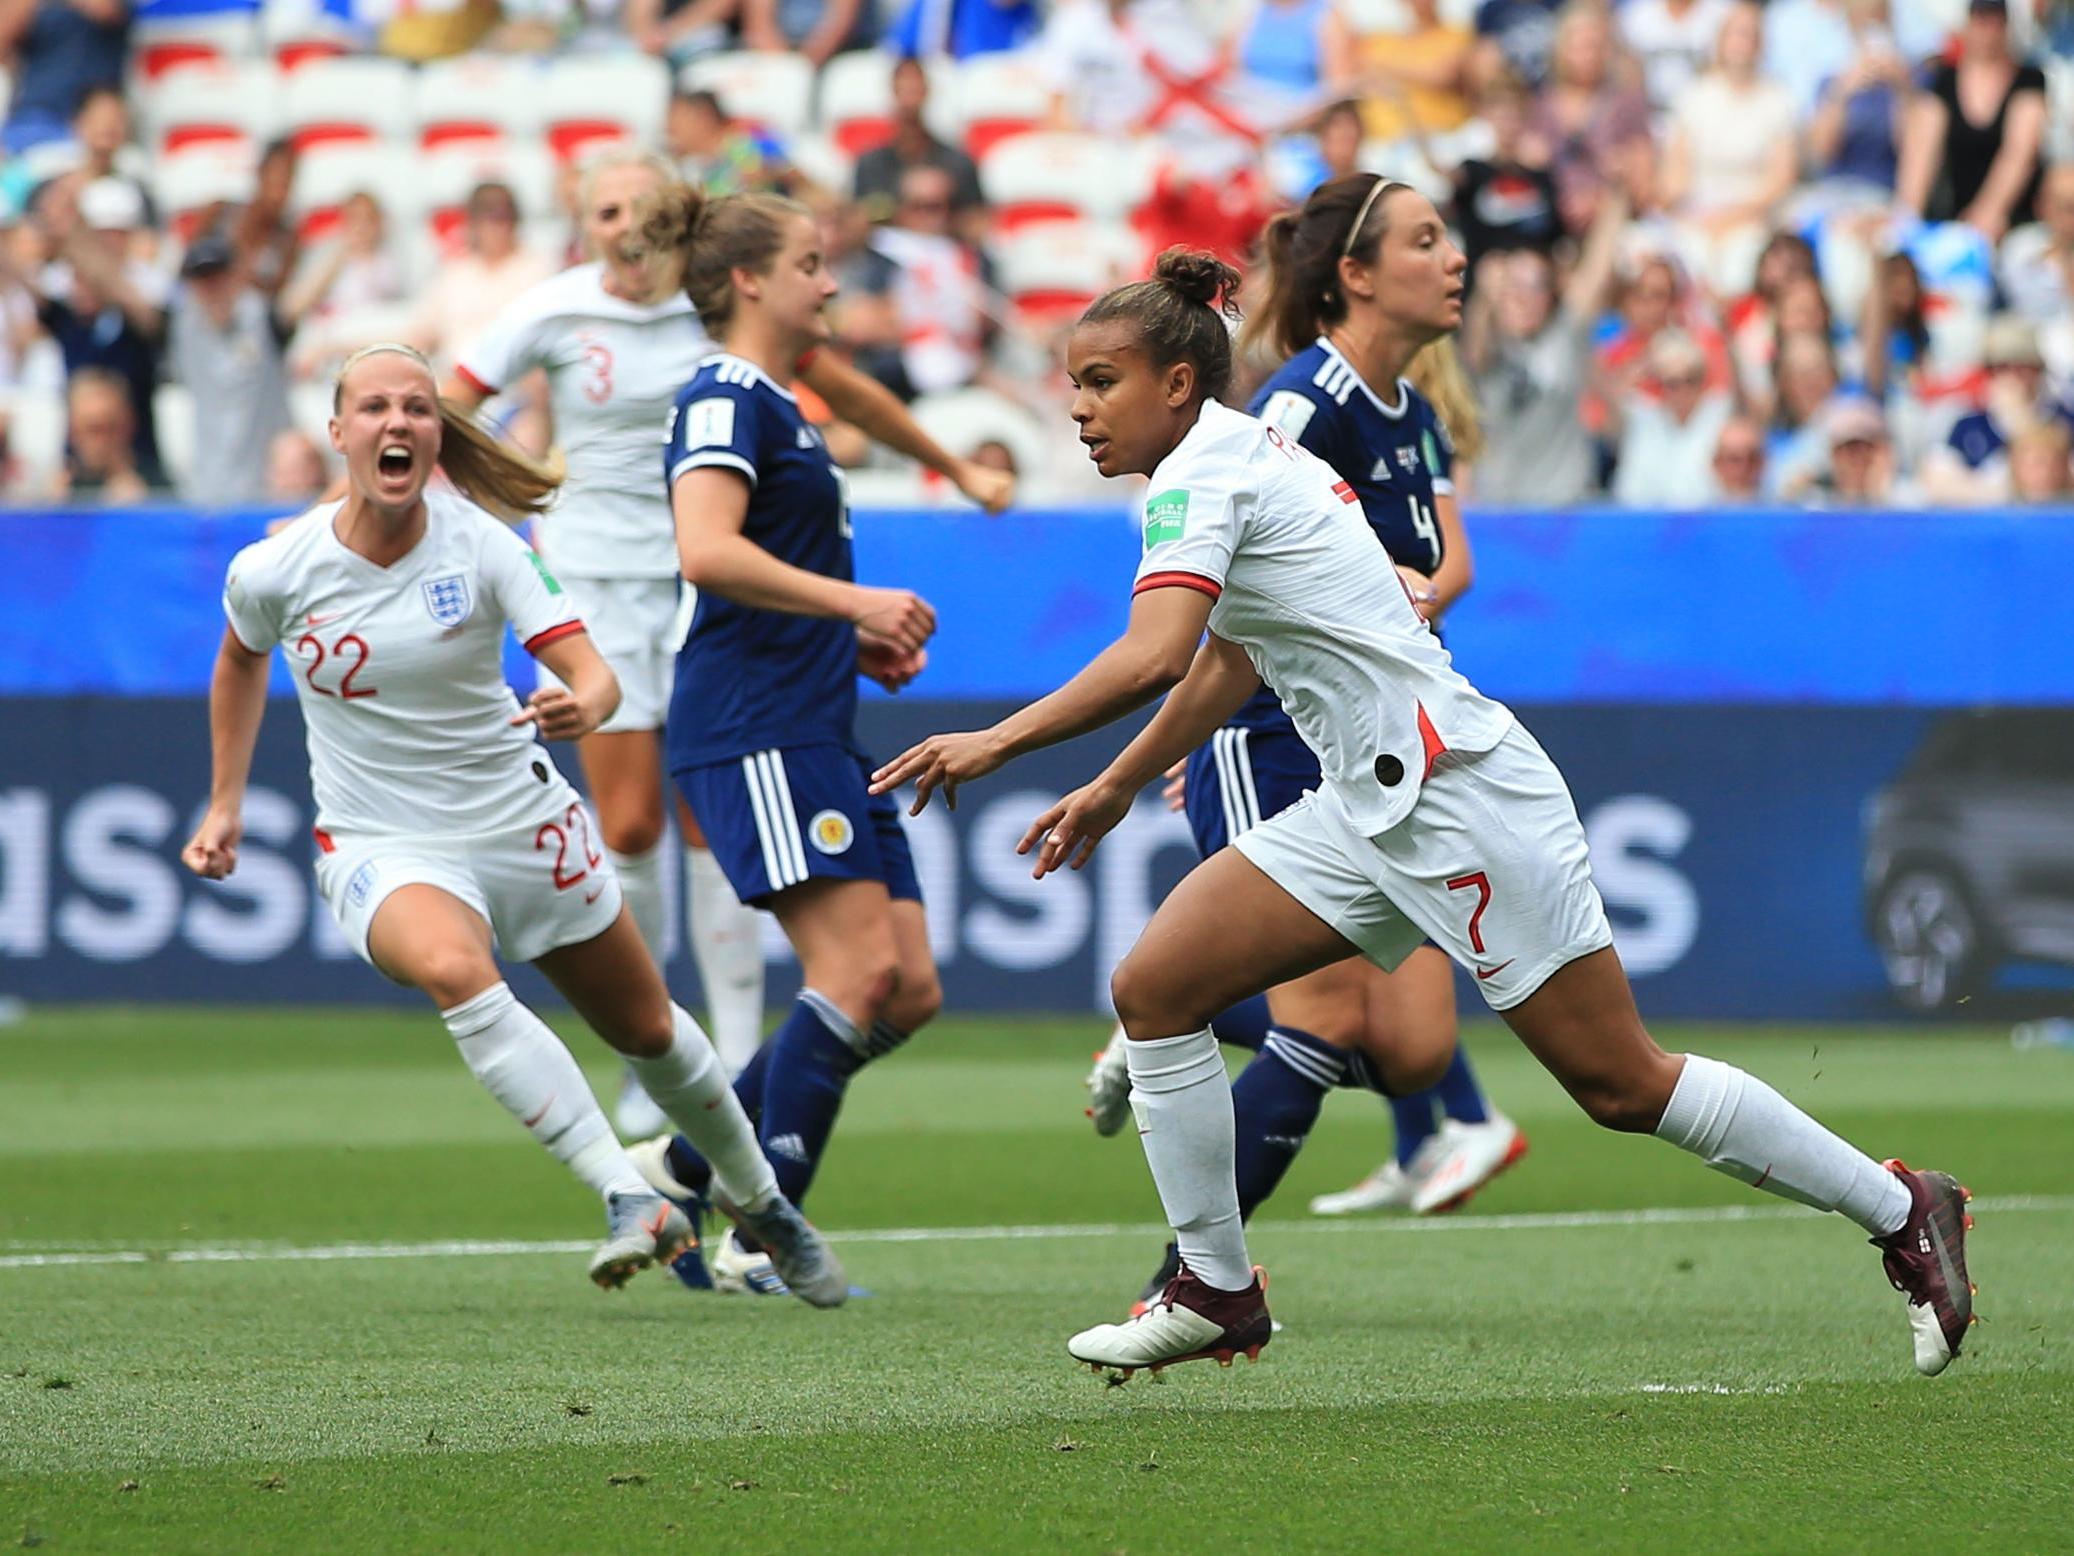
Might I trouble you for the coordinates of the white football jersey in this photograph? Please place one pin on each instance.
(399, 670)
(613, 372)
(1252, 519)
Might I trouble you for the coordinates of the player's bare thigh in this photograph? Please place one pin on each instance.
(843, 933)
(1411, 1028)
(624, 771)
(1583, 1026)
(612, 983)
(1226, 932)
(432, 940)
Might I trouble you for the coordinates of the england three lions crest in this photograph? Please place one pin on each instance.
(448, 599)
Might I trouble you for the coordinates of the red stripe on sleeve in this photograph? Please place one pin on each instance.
(324, 842)
(1429, 737)
(1346, 492)
(554, 634)
(1196, 581)
(468, 378)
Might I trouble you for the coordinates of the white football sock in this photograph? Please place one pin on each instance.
(641, 886)
(727, 944)
(1739, 1125)
(524, 1065)
(689, 1085)
(1182, 1099)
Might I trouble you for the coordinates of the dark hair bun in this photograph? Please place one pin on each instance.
(1199, 276)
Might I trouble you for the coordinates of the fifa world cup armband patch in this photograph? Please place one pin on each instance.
(554, 584)
(1166, 517)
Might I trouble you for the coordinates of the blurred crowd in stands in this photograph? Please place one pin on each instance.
(1812, 252)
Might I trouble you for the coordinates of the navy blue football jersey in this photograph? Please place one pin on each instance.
(1397, 458)
(749, 679)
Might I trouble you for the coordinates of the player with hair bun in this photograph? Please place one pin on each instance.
(444, 834)
(760, 735)
(1436, 816)
(617, 338)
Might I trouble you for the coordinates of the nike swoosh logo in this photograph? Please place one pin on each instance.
(317, 621)
(537, 1117)
(593, 895)
(1484, 973)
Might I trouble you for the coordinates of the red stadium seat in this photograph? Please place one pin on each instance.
(444, 179)
(1048, 176)
(1052, 270)
(230, 107)
(998, 96)
(478, 100)
(857, 102)
(587, 102)
(331, 173)
(355, 101)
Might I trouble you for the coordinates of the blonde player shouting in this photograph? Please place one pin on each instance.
(618, 338)
(444, 833)
(1437, 815)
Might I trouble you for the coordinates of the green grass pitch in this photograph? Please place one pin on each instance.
(1546, 1371)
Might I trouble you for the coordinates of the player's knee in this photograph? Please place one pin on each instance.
(915, 1000)
(1151, 1003)
(1405, 1073)
(452, 975)
(1620, 1103)
(643, 1031)
(631, 834)
(866, 986)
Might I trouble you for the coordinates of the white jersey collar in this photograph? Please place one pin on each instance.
(720, 358)
(1394, 412)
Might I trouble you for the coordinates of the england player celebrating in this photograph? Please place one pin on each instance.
(617, 338)
(1437, 815)
(444, 833)
(759, 734)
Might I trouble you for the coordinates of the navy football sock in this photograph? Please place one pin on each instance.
(749, 1084)
(1460, 1097)
(813, 1056)
(1415, 1124)
(1274, 1103)
(1244, 1025)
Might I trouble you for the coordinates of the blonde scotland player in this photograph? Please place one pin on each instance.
(445, 835)
(618, 338)
(1437, 815)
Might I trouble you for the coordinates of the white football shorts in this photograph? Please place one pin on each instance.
(539, 887)
(1491, 865)
(638, 624)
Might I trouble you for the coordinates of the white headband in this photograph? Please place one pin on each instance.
(1375, 191)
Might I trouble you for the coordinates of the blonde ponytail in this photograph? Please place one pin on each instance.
(1437, 373)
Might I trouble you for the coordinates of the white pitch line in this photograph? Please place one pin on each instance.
(1538, 1222)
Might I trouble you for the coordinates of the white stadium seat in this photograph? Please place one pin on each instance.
(233, 105)
(1051, 176)
(350, 100)
(587, 101)
(773, 92)
(35, 434)
(962, 419)
(856, 100)
(172, 414)
(997, 96)
(822, 161)
(1052, 270)
(160, 48)
(478, 98)
(185, 186)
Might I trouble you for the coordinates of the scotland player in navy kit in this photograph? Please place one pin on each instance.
(759, 734)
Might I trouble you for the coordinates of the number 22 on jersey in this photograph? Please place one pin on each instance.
(349, 651)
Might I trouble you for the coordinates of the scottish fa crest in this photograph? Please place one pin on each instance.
(447, 599)
(1407, 457)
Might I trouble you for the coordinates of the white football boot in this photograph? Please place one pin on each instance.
(737, 1271)
(643, 1228)
(1389, 1187)
(796, 1255)
(1189, 1322)
(1109, 1087)
(1472, 1155)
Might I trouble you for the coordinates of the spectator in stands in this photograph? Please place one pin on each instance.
(1972, 466)
(682, 30)
(1528, 349)
(1291, 56)
(1331, 150)
(1970, 149)
(1854, 136)
(296, 470)
(1506, 200)
(1862, 471)
(1731, 156)
(2040, 467)
(335, 302)
(876, 180)
(1738, 462)
(1805, 380)
(1894, 329)
(1751, 322)
(223, 345)
(1672, 41)
(101, 131)
(28, 357)
(1415, 76)
(1109, 65)
(2037, 262)
(100, 442)
(102, 306)
(935, 287)
(1653, 298)
(711, 151)
(930, 29)
(471, 288)
(60, 49)
(1667, 439)
(817, 30)
(264, 235)
(1806, 42)
(1595, 126)
(1514, 38)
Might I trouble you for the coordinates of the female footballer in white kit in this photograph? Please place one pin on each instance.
(445, 835)
(1437, 814)
(618, 338)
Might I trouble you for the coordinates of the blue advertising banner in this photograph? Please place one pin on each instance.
(1586, 605)
(1739, 849)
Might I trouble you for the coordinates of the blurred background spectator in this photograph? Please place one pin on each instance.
(1738, 462)
(814, 29)
(1594, 124)
(61, 49)
(471, 286)
(1667, 439)
(346, 290)
(1671, 41)
(961, 29)
(1970, 150)
(223, 343)
(876, 181)
(1415, 77)
(100, 442)
(296, 470)
(711, 150)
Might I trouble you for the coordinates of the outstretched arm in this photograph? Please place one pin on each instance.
(237, 703)
(1152, 656)
(876, 411)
